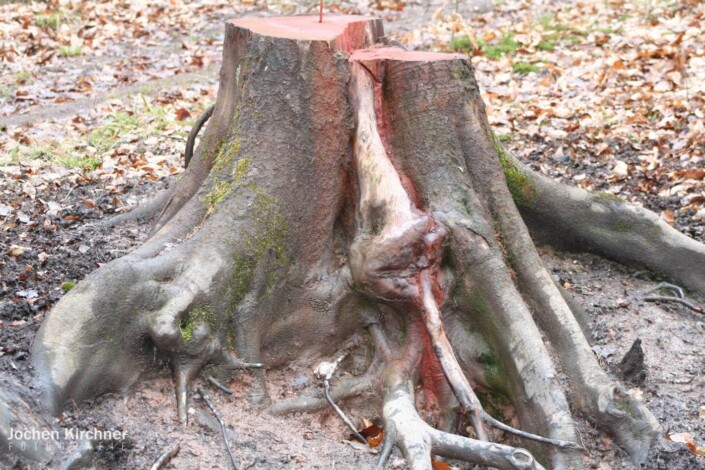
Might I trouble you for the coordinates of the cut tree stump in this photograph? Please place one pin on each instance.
(347, 192)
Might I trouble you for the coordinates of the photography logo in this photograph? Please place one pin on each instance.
(31, 440)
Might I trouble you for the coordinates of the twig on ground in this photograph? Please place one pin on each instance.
(166, 457)
(668, 298)
(325, 370)
(679, 296)
(666, 285)
(219, 386)
(222, 426)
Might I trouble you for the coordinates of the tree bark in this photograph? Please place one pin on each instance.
(346, 192)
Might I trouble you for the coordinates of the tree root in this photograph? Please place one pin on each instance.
(604, 224)
(418, 441)
(191, 140)
(603, 400)
(341, 390)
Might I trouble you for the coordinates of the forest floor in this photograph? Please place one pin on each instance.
(96, 100)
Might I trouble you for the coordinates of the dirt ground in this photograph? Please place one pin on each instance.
(51, 236)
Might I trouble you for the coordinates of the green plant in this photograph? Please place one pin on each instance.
(69, 51)
(463, 44)
(23, 77)
(104, 137)
(507, 44)
(548, 42)
(54, 19)
(51, 20)
(6, 92)
(67, 286)
(525, 68)
(77, 161)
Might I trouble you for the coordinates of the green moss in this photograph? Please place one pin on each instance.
(242, 279)
(522, 189)
(494, 403)
(495, 371)
(195, 317)
(67, 286)
(265, 242)
(242, 168)
(23, 77)
(227, 154)
(478, 304)
(217, 194)
(623, 227)
(603, 197)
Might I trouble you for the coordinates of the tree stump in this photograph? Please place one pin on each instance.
(349, 192)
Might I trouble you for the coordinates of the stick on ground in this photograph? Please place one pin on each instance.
(222, 426)
(163, 459)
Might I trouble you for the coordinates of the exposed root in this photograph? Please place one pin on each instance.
(418, 441)
(341, 390)
(597, 395)
(218, 385)
(145, 211)
(605, 225)
(191, 140)
(183, 376)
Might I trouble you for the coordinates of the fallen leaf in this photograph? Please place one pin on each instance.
(16, 250)
(374, 435)
(438, 465)
(681, 437)
(668, 217)
(182, 114)
(621, 169)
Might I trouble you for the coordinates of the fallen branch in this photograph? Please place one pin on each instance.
(665, 285)
(325, 370)
(222, 426)
(166, 457)
(219, 385)
(679, 296)
(668, 298)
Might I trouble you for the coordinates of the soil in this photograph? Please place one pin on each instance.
(44, 249)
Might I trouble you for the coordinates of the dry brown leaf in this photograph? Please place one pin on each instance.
(374, 434)
(438, 465)
(182, 114)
